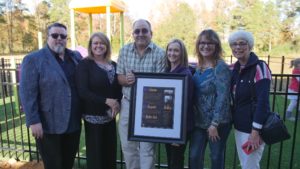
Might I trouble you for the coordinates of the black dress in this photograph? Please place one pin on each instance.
(96, 83)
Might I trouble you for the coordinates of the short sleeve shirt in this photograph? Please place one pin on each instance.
(129, 60)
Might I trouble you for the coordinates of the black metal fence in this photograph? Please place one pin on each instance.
(16, 141)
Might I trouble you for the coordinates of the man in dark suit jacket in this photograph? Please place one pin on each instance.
(50, 100)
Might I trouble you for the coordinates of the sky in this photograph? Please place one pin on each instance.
(141, 8)
(136, 8)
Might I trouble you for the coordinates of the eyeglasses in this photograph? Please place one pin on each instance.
(144, 31)
(99, 43)
(55, 36)
(242, 44)
(206, 43)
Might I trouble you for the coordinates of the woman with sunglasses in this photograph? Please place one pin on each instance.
(211, 102)
(177, 62)
(250, 86)
(100, 92)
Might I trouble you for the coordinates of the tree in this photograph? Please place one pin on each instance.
(59, 11)
(2, 9)
(181, 23)
(42, 17)
(290, 11)
(216, 18)
(13, 24)
(260, 18)
(29, 39)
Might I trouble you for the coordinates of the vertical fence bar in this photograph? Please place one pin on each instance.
(14, 105)
(29, 145)
(280, 149)
(281, 71)
(286, 102)
(2, 96)
(3, 76)
(14, 81)
(158, 154)
(272, 108)
(2, 90)
(6, 120)
(21, 127)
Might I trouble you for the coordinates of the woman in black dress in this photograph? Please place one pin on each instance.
(100, 92)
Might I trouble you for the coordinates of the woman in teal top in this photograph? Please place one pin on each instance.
(211, 102)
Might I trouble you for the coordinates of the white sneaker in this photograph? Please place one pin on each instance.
(291, 118)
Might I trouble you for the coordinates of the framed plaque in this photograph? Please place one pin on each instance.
(158, 108)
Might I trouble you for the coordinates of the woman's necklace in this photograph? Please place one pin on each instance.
(104, 65)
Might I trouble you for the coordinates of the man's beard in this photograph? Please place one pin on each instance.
(59, 49)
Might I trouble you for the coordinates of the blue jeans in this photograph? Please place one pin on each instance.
(198, 144)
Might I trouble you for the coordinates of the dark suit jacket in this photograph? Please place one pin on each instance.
(45, 91)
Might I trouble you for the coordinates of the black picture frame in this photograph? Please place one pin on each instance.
(158, 107)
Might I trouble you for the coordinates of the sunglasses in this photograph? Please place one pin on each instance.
(55, 36)
(144, 31)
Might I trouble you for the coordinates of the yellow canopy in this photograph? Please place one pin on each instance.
(97, 7)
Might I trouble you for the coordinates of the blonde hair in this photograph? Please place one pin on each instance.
(183, 54)
(104, 40)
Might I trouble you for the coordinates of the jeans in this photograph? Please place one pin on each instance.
(198, 144)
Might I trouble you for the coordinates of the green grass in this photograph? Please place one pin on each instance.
(13, 128)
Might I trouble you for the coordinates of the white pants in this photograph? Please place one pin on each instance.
(252, 160)
(137, 155)
(293, 101)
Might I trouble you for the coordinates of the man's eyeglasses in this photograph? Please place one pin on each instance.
(206, 43)
(55, 36)
(144, 31)
(242, 44)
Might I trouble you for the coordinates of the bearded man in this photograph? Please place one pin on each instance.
(50, 100)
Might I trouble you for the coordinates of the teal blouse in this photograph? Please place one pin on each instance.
(212, 95)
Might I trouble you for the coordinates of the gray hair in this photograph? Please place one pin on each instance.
(144, 20)
(241, 34)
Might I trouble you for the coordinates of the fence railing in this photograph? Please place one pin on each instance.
(16, 141)
(278, 64)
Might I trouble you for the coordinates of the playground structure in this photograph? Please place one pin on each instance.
(91, 7)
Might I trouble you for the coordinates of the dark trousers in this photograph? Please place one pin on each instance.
(58, 150)
(101, 145)
(175, 156)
